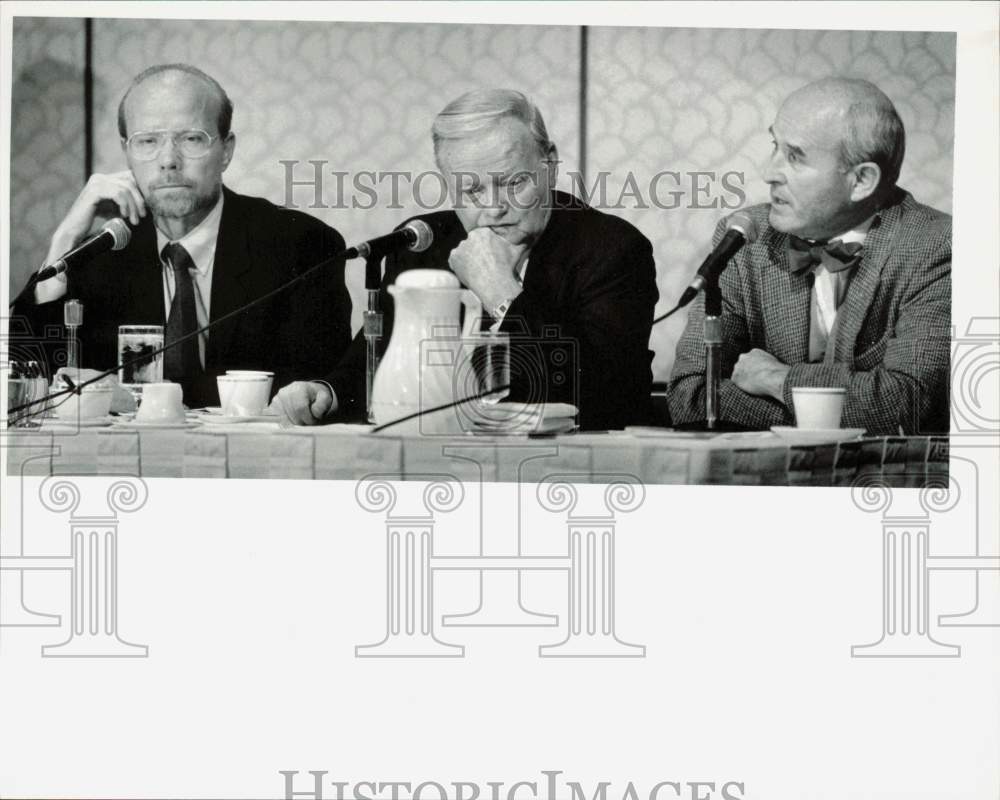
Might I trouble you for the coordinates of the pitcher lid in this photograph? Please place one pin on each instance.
(427, 279)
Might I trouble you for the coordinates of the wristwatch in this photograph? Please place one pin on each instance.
(500, 309)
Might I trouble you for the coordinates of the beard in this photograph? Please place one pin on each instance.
(181, 202)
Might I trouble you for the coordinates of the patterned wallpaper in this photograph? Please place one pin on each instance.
(46, 135)
(362, 97)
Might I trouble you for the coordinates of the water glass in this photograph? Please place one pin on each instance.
(19, 392)
(488, 358)
(136, 362)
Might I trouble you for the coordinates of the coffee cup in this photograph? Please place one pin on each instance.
(244, 393)
(91, 402)
(818, 408)
(254, 373)
(162, 403)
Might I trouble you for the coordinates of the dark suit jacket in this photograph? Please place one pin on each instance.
(299, 333)
(893, 335)
(589, 293)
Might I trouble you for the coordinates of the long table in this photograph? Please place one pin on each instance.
(346, 452)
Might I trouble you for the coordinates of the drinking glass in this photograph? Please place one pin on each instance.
(136, 362)
(489, 359)
(19, 392)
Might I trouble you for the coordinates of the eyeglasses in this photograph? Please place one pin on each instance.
(146, 145)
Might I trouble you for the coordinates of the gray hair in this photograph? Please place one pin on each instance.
(873, 130)
(481, 109)
(225, 120)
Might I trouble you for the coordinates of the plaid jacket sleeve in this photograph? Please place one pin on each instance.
(686, 389)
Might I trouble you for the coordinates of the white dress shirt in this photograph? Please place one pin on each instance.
(828, 292)
(200, 244)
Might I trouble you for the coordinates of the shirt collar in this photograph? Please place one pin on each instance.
(200, 241)
(857, 233)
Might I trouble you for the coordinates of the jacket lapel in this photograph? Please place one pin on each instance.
(865, 282)
(786, 313)
(142, 264)
(547, 273)
(230, 288)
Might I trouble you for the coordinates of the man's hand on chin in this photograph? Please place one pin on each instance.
(759, 373)
(486, 263)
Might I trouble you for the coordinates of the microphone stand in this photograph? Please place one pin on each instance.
(73, 319)
(75, 388)
(372, 327)
(713, 352)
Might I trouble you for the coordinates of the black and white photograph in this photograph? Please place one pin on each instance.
(573, 401)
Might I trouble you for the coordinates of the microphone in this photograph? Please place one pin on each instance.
(115, 235)
(741, 230)
(416, 236)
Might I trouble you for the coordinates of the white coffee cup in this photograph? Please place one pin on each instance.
(161, 402)
(818, 408)
(244, 393)
(254, 373)
(93, 402)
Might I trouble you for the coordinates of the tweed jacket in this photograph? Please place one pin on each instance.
(892, 346)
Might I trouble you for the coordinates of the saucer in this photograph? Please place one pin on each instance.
(99, 422)
(223, 419)
(135, 425)
(816, 435)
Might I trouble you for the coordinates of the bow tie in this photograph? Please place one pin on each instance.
(835, 256)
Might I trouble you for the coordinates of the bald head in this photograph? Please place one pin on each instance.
(171, 79)
(864, 118)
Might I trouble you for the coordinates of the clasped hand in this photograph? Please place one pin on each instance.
(486, 263)
(759, 373)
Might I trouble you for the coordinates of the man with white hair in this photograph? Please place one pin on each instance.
(545, 266)
(848, 284)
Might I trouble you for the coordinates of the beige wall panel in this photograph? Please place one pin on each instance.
(46, 168)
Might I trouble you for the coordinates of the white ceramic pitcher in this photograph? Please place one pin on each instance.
(418, 369)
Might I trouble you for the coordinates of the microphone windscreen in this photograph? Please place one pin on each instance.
(425, 236)
(120, 232)
(743, 222)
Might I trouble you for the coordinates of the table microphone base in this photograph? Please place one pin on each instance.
(720, 427)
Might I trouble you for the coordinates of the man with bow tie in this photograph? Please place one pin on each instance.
(848, 284)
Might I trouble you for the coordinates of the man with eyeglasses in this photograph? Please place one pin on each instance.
(198, 250)
(573, 287)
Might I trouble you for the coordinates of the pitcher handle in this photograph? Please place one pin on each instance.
(473, 312)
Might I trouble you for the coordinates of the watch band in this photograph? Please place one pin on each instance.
(500, 309)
